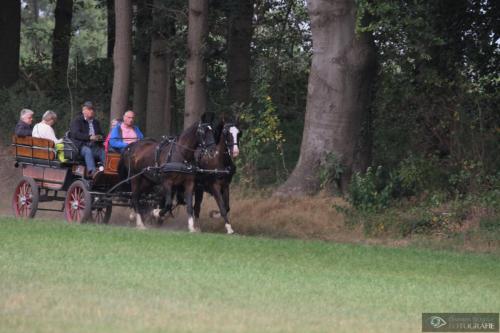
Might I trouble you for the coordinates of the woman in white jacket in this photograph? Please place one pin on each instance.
(44, 128)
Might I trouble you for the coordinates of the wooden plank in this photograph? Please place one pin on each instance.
(23, 151)
(44, 153)
(22, 140)
(44, 143)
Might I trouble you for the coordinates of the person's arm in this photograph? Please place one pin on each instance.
(116, 140)
(98, 128)
(51, 135)
(140, 136)
(78, 132)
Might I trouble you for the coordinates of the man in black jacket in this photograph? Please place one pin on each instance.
(86, 133)
(24, 126)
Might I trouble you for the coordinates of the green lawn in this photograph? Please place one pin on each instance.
(56, 277)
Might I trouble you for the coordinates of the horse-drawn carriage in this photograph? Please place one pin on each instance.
(156, 172)
(46, 179)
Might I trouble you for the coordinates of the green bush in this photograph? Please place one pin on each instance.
(371, 191)
(261, 158)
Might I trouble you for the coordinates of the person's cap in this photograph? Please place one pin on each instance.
(88, 104)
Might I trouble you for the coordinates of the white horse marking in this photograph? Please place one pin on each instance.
(156, 213)
(191, 224)
(229, 229)
(138, 222)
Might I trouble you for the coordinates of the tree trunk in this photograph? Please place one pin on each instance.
(238, 53)
(110, 4)
(158, 120)
(139, 102)
(10, 38)
(196, 95)
(122, 57)
(142, 45)
(338, 95)
(61, 40)
(35, 9)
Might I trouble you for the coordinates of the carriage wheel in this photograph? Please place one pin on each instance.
(78, 203)
(102, 215)
(25, 198)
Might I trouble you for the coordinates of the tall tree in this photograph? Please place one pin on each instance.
(10, 32)
(110, 6)
(142, 42)
(338, 94)
(122, 57)
(238, 50)
(196, 95)
(159, 103)
(61, 40)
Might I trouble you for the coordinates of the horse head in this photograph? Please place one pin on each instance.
(232, 133)
(205, 131)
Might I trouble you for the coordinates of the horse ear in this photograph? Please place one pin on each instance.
(208, 117)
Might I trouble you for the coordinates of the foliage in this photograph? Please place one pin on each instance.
(261, 157)
(18, 97)
(437, 91)
(370, 192)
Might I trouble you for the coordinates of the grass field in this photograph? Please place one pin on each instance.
(56, 277)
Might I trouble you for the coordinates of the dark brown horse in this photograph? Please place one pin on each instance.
(164, 166)
(220, 170)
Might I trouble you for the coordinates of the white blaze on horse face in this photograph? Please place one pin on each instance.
(234, 132)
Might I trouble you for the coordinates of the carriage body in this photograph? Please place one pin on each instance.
(46, 179)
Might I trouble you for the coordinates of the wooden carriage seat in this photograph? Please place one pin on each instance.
(36, 148)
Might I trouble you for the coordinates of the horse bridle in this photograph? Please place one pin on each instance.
(201, 133)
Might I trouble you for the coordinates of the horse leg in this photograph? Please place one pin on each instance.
(136, 194)
(225, 196)
(198, 198)
(216, 191)
(167, 188)
(188, 197)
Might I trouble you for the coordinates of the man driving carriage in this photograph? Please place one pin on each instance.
(86, 133)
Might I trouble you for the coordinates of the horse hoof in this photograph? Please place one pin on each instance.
(141, 227)
(194, 230)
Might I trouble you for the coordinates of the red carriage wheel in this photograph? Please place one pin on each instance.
(25, 198)
(78, 203)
